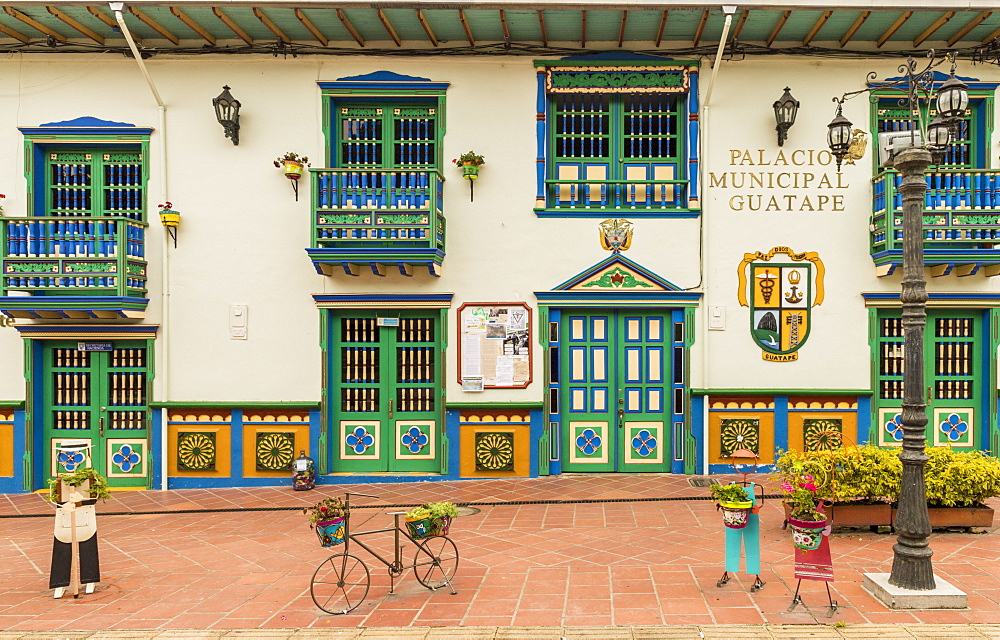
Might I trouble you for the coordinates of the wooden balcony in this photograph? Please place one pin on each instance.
(632, 197)
(376, 219)
(961, 215)
(73, 268)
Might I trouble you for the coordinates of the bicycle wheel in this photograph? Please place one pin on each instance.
(340, 584)
(435, 562)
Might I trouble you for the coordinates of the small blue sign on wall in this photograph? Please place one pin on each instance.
(387, 322)
(95, 346)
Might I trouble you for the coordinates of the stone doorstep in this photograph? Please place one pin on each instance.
(944, 596)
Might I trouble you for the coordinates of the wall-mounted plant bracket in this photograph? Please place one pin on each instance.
(293, 165)
(170, 219)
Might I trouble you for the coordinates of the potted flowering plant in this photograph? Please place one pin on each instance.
(805, 510)
(329, 518)
(470, 161)
(732, 500)
(431, 519)
(168, 216)
(292, 163)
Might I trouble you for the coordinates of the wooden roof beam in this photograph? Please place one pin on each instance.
(267, 22)
(854, 28)
(964, 31)
(541, 24)
(663, 25)
(701, 27)
(350, 27)
(154, 25)
(193, 26)
(392, 31)
(621, 29)
(900, 21)
(34, 24)
(940, 22)
(17, 35)
(785, 15)
(503, 25)
(583, 29)
(235, 28)
(468, 31)
(311, 28)
(816, 27)
(90, 33)
(427, 27)
(739, 25)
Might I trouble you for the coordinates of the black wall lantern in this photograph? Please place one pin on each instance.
(784, 112)
(838, 134)
(227, 112)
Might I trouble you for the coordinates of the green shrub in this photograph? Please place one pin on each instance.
(868, 473)
(728, 493)
(960, 478)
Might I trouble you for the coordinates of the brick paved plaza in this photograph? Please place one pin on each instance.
(622, 553)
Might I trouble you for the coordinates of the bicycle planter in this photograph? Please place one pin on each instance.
(331, 532)
(735, 514)
(340, 583)
(807, 535)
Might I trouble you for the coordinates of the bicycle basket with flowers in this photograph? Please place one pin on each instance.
(431, 519)
(329, 518)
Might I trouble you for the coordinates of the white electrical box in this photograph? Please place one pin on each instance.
(238, 322)
(717, 318)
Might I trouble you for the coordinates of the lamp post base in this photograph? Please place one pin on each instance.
(942, 596)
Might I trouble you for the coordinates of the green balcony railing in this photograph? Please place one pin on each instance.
(960, 221)
(377, 216)
(101, 256)
(376, 208)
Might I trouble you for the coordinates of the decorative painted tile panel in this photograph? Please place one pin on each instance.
(274, 450)
(823, 434)
(495, 451)
(196, 451)
(740, 433)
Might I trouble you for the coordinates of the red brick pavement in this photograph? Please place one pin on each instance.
(577, 564)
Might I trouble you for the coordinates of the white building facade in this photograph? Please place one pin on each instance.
(639, 279)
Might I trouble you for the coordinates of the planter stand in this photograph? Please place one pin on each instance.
(815, 564)
(748, 538)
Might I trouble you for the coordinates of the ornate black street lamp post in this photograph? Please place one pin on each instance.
(911, 565)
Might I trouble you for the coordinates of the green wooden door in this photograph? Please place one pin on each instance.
(97, 393)
(953, 378)
(614, 397)
(385, 393)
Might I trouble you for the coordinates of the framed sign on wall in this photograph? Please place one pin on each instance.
(494, 347)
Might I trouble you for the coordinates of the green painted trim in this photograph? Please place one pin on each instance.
(494, 405)
(616, 63)
(12, 404)
(234, 405)
(782, 392)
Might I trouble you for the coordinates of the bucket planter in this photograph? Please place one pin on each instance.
(807, 534)
(428, 520)
(170, 218)
(419, 528)
(331, 532)
(735, 515)
(293, 169)
(470, 171)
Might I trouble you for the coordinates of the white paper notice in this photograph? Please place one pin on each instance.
(505, 371)
(471, 355)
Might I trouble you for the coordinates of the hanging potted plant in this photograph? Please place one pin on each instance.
(329, 518)
(805, 511)
(470, 162)
(732, 500)
(292, 164)
(432, 519)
